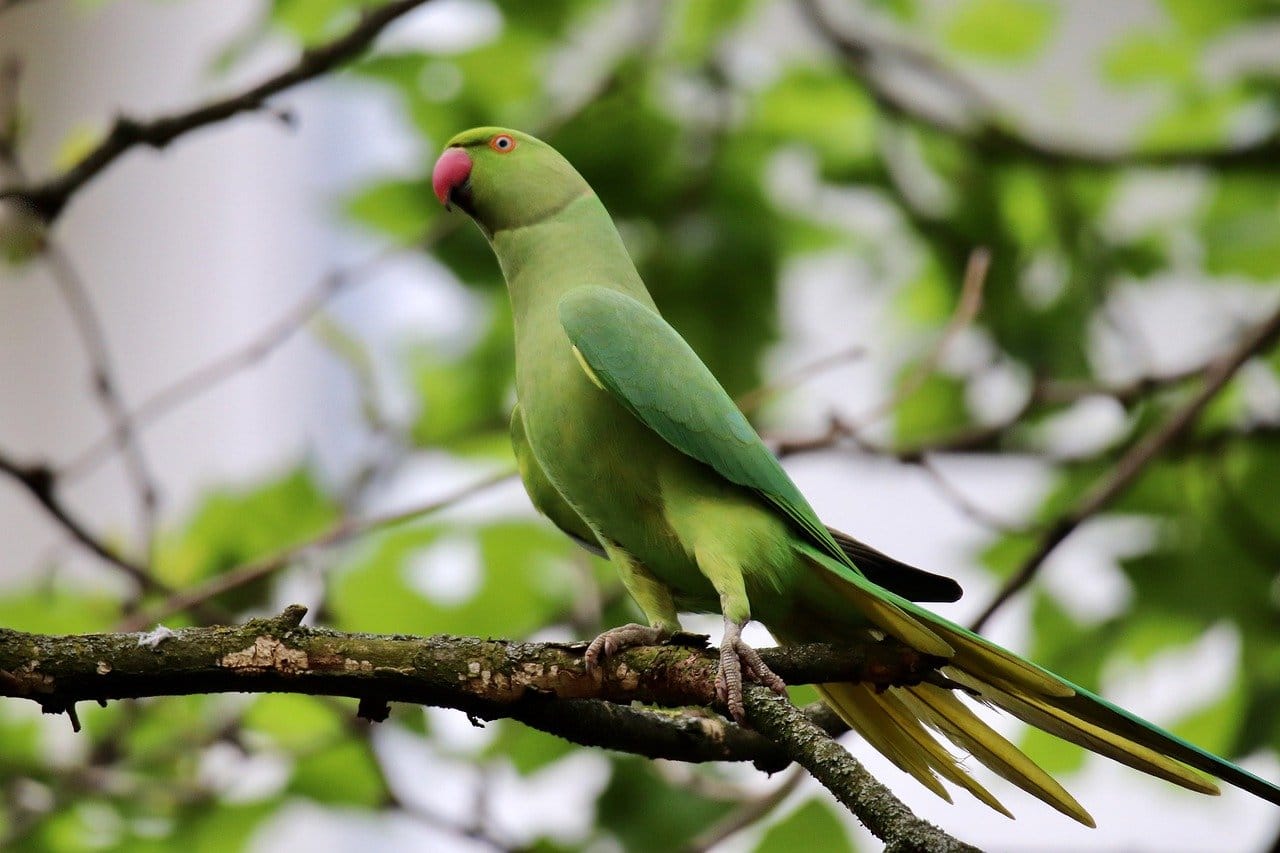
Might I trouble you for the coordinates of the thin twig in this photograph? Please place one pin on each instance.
(269, 339)
(41, 483)
(123, 433)
(48, 199)
(1131, 465)
(966, 310)
(755, 398)
(965, 504)
(344, 530)
(748, 813)
(88, 325)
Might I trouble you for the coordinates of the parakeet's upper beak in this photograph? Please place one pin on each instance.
(449, 177)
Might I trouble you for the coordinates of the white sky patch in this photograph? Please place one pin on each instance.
(996, 394)
(445, 26)
(239, 777)
(1042, 280)
(1151, 201)
(1083, 572)
(448, 572)
(558, 801)
(1176, 681)
(455, 729)
(1088, 426)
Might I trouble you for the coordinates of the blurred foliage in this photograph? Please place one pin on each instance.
(697, 122)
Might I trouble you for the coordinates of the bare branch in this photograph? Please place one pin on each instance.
(986, 125)
(747, 814)
(106, 387)
(1131, 465)
(757, 397)
(966, 310)
(41, 483)
(48, 199)
(253, 351)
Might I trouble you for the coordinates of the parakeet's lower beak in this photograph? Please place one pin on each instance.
(449, 177)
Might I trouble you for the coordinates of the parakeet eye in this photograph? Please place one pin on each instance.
(502, 143)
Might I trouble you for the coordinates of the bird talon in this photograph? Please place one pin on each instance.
(737, 659)
(610, 642)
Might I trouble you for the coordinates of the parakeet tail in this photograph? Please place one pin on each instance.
(897, 721)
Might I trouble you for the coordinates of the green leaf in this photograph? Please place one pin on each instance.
(813, 826)
(524, 581)
(464, 398)
(824, 109)
(1027, 205)
(294, 722)
(1000, 30)
(23, 750)
(312, 21)
(929, 297)
(1145, 57)
(343, 773)
(937, 407)
(169, 722)
(1198, 120)
(400, 209)
(698, 25)
(233, 526)
(217, 827)
(529, 750)
(1203, 20)
(1240, 237)
(57, 608)
(636, 794)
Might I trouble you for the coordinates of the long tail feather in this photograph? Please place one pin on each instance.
(1002, 679)
(946, 713)
(854, 704)
(1082, 733)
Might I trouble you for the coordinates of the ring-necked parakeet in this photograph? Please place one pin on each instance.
(630, 445)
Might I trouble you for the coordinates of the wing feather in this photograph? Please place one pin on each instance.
(656, 375)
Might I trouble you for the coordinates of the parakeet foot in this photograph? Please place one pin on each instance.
(624, 637)
(735, 658)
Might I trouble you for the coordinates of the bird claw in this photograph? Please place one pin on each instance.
(736, 657)
(623, 637)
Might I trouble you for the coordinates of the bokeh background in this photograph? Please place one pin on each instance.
(294, 334)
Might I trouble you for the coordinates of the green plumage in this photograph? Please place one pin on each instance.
(629, 444)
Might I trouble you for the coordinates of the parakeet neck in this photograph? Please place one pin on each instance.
(575, 246)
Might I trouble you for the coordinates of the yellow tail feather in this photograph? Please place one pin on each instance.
(884, 718)
(1039, 713)
(945, 712)
(853, 703)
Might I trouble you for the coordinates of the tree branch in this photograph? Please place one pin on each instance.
(1130, 466)
(545, 685)
(40, 482)
(48, 199)
(873, 804)
(106, 388)
(985, 125)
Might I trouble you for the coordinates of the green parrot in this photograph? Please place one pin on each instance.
(627, 442)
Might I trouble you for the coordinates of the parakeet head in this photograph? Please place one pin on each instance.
(504, 178)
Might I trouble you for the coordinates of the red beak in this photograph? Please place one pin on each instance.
(451, 171)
